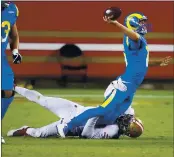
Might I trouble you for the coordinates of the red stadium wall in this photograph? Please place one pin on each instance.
(79, 22)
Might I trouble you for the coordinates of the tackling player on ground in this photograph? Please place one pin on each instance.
(9, 34)
(124, 87)
(94, 128)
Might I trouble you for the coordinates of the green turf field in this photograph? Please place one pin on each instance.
(154, 108)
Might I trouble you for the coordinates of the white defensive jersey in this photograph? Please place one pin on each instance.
(109, 131)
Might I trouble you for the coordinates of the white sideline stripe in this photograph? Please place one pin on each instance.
(100, 95)
(91, 47)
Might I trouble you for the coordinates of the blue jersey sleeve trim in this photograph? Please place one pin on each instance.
(14, 8)
(17, 11)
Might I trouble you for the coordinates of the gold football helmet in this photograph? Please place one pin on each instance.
(135, 128)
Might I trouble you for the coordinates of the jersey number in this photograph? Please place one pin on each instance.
(5, 29)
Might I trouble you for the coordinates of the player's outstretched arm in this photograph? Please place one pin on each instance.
(164, 62)
(130, 33)
(14, 44)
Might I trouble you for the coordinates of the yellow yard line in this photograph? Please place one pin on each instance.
(69, 34)
(48, 59)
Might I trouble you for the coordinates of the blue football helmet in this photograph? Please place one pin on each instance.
(135, 21)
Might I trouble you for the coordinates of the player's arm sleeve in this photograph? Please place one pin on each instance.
(108, 132)
(88, 130)
(130, 111)
(16, 11)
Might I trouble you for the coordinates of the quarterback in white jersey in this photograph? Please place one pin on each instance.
(66, 110)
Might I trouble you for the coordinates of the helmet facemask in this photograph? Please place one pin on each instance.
(129, 125)
(143, 27)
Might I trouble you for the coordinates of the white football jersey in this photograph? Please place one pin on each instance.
(90, 131)
(109, 131)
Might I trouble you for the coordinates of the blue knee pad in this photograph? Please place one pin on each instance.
(5, 103)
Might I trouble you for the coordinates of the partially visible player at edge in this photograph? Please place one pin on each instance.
(9, 34)
(136, 57)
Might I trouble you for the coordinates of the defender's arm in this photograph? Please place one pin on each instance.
(107, 132)
(88, 130)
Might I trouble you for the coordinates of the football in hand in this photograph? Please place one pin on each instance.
(112, 13)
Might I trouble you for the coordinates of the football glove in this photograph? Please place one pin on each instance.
(17, 58)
